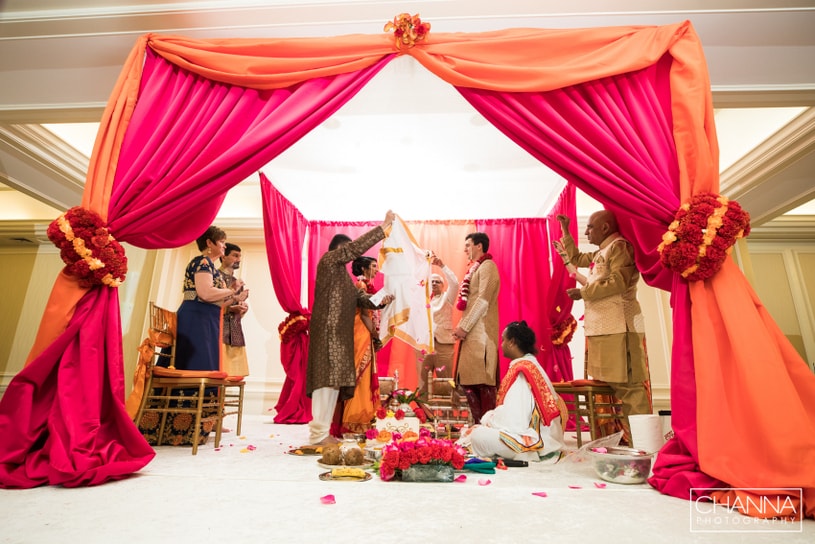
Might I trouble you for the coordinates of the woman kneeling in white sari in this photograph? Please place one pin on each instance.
(526, 424)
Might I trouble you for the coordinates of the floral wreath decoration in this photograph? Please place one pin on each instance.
(296, 323)
(407, 30)
(91, 254)
(563, 331)
(702, 235)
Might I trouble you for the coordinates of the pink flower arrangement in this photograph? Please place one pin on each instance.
(702, 236)
(401, 454)
(90, 252)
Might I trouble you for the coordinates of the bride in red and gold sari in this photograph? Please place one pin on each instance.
(358, 412)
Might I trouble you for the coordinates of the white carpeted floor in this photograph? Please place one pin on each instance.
(250, 490)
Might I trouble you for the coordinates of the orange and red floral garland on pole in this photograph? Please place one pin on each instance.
(563, 331)
(702, 235)
(90, 252)
(295, 323)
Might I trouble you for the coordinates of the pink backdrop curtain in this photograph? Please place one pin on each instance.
(518, 249)
(284, 251)
(524, 281)
(188, 137)
(613, 139)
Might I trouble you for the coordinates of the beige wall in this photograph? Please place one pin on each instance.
(784, 282)
(27, 275)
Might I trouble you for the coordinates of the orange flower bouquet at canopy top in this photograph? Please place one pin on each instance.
(403, 453)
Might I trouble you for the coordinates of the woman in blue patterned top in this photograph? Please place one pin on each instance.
(198, 343)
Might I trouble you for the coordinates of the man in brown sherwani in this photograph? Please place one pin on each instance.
(477, 368)
(331, 375)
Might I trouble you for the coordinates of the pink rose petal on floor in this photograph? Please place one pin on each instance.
(217, 449)
(484, 481)
(461, 478)
(599, 485)
(575, 487)
(540, 494)
(328, 499)
(250, 447)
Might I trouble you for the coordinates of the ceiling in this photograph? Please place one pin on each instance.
(407, 141)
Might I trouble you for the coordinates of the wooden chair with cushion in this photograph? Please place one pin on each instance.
(168, 390)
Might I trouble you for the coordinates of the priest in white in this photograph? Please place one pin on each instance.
(527, 422)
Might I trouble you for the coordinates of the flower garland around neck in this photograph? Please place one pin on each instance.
(464, 289)
(91, 254)
(702, 235)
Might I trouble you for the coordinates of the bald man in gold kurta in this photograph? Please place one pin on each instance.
(613, 322)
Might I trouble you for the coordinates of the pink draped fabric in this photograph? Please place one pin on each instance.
(517, 246)
(188, 137)
(613, 139)
(559, 357)
(558, 303)
(62, 418)
(284, 249)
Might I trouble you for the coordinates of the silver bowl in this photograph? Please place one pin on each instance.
(622, 465)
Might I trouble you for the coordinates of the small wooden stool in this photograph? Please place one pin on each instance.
(593, 400)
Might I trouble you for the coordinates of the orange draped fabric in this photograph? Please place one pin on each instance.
(737, 348)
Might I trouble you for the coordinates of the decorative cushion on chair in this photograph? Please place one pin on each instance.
(163, 372)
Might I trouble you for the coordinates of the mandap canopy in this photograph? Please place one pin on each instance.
(623, 113)
(530, 288)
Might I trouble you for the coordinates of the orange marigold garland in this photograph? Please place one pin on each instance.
(90, 252)
(294, 324)
(407, 29)
(702, 235)
(563, 331)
